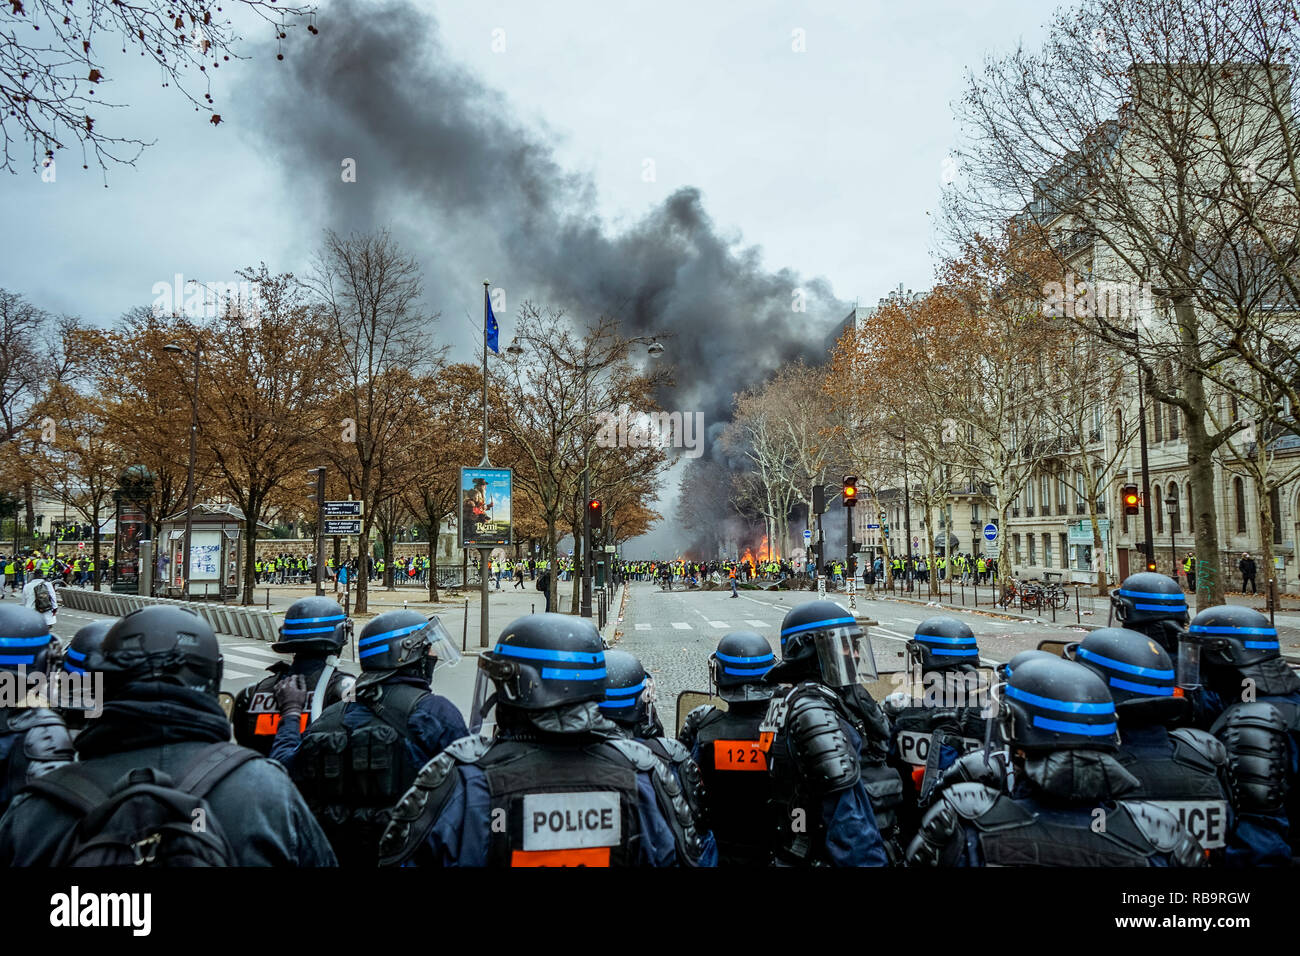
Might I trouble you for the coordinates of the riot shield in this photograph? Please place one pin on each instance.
(227, 701)
(1055, 647)
(688, 700)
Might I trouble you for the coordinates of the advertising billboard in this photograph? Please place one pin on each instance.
(485, 495)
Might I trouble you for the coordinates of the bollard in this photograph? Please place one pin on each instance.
(1272, 600)
(1053, 603)
(532, 608)
(1078, 619)
(976, 583)
(464, 631)
(268, 599)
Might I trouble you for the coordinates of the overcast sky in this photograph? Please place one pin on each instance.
(823, 162)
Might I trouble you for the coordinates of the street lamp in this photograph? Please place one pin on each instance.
(189, 481)
(1171, 506)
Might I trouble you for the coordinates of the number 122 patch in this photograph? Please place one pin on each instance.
(738, 755)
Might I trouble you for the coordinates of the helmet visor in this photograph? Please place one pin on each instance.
(441, 644)
(1189, 664)
(844, 657)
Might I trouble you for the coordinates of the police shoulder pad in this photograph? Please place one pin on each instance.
(641, 756)
(970, 801)
(676, 752)
(1160, 827)
(1203, 744)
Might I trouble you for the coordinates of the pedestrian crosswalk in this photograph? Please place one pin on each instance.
(716, 625)
(249, 659)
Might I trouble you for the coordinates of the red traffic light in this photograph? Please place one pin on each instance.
(850, 490)
(1131, 499)
(593, 507)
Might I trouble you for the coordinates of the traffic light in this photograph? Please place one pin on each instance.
(1129, 495)
(819, 499)
(593, 506)
(850, 490)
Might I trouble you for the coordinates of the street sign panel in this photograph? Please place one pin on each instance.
(342, 526)
(872, 526)
(343, 509)
(807, 534)
(990, 532)
(609, 549)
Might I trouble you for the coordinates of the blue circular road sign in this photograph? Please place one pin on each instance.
(991, 532)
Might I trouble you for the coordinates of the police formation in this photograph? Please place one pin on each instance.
(1162, 741)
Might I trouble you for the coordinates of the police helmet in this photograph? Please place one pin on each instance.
(1004, 669)
(1148, 597)
(628, 690)
(399, 640)
(314, 624)
(24, 638)
(942, 643)
(1134, 667)
(84, 651)
(1233, 636)
(540, 662)
(823, 639)
(162, 643)
(1050, 703)
(738, 665)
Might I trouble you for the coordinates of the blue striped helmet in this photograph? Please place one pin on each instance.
(1133, 666)
(1057, 704)
(1147, 596)
(394, 640)
(83, 651)
(807, 633)
(625, 686)
(24, 638)
(945, 642)
(739, 665)
(1004, 669)
(1234, 636)
(313, 624)
(542, 661)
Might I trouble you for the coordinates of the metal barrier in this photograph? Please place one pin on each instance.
(255, 623)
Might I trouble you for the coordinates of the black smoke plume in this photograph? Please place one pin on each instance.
(442, 159)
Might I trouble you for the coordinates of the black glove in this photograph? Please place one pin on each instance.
(291, 697)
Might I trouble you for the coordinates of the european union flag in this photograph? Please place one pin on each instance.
(489, 323)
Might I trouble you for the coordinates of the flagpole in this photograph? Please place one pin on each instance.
(484, 554)
(485, 463)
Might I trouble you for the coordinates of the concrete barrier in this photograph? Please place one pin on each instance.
(250, 622)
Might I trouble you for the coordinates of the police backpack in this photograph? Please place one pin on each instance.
(146, 819)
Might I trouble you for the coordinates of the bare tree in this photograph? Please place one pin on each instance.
(373, 292)
(52, 65)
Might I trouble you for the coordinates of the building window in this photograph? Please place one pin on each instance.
(1045, 487)
(1239, 496)
(1065, 550)
(1033, 549)
(1158, 510)
(1029, 498)
(1062, 494)
(1157, 422)
(1047, 550)
(1175, 515)
(1174, 412)
(1275, 509)
(1191, 510)
(1015, 547)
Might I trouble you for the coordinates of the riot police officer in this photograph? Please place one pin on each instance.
(829, 742)
(1181, 769)
(1059, 719)
(314, 631)
(359, 756)
(33, 739)
(727, 746)
(629, 706)
(1244, 692)
(558, 785)
(78, 660)
(932, 732)
(1152, 604)
(161, 747)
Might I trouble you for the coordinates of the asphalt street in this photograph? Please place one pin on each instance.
(673, 632)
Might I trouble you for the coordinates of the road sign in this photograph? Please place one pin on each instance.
(343, 509)
(916, 542)
(807, 534)
(990, 532)
(81, 546)
(609, 549)
(871, 527)
(342, 526)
